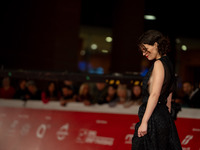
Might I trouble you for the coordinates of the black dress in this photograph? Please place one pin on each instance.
(161, 131)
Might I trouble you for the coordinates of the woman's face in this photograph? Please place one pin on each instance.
(111, 90)
(51, 87)
(122, 93)
(100, 86)
(85, 89)
(137, 90)
(22, 84)
(66, 91)
(151, 51)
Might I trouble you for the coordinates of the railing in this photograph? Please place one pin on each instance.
(60, 76)
(80, 107)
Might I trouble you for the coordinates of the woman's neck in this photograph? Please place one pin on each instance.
(159, 56)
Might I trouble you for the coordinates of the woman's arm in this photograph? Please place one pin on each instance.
(169, 100)
(156, 86)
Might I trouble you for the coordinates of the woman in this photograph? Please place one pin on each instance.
(135, 98)
(51, 94)
(84, 94)
(111, 93)
(156, 129)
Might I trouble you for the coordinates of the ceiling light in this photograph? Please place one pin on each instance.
(149, 17)
(94, 46)
(108, 39)
(104, 51)
(184, 47)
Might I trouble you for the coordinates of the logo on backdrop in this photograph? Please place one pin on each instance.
(128, 139)
(62, 132)
(90, 137)
(187, 139)
(41, 130)
(132, 127)
(25, 129)
(183, 148)
(12, 130)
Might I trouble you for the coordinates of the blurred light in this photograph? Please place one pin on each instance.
(178, 41)
(87, 77)
(117, 74)
(82, 65)
(82, 52)
(149, 17)
(112, 82)
(99, 70)
(108, 39)
(144, 72)
(137, 83)
(184, 47)
(94, 46)
(104, 51)
(9, 74)
(117, 82)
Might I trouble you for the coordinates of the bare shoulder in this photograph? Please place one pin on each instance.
(158, 65)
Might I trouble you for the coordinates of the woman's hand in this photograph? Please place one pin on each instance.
(142, 130)
(63, 102)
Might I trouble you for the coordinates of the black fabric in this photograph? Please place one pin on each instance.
(161, 133)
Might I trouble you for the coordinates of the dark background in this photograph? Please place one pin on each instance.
(44, 35)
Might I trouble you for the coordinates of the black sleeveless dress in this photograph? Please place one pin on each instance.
(161, 131)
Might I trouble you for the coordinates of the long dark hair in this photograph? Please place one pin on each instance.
(152, 36)
(55, 92)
